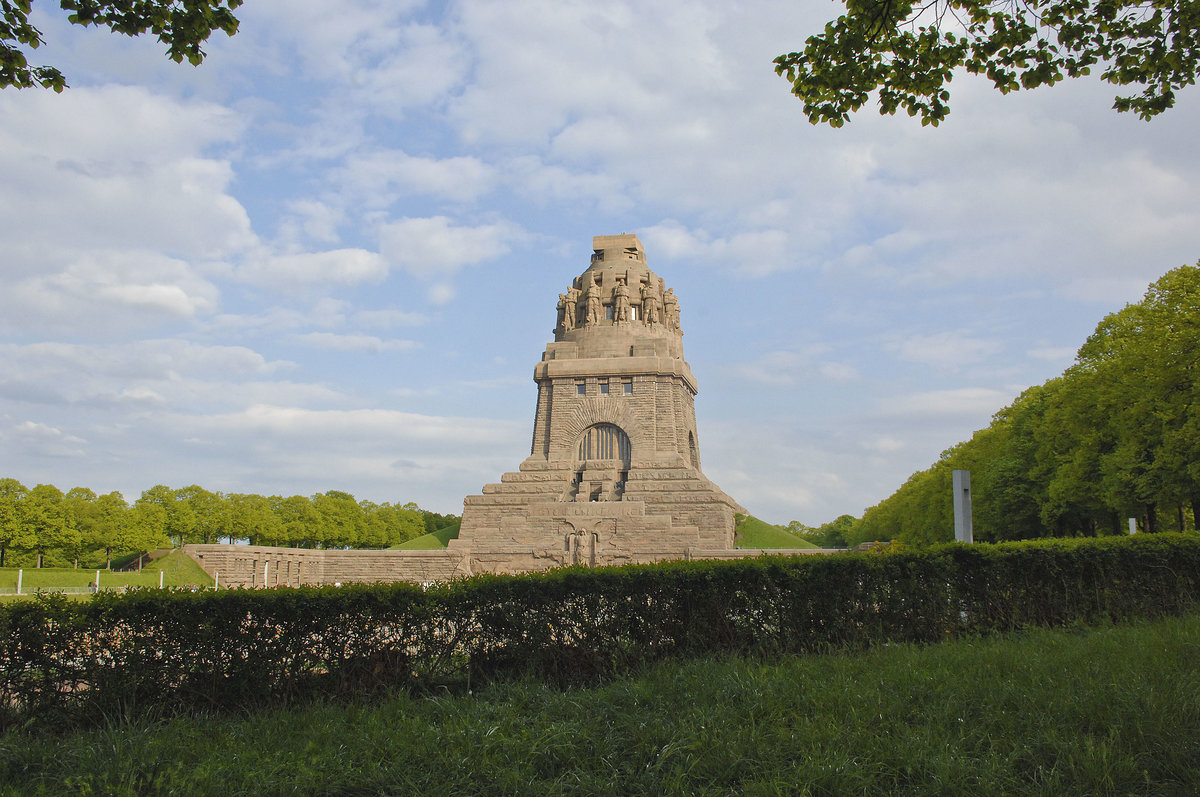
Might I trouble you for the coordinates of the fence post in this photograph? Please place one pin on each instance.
(19, 574)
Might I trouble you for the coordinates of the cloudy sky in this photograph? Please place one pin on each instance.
(329, 257)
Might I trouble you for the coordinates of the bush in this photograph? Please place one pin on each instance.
(185, 651)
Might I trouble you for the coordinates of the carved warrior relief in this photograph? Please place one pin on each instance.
(657, 305)
(594, 305)
(671, 309)
(651, 304)
(621, 301)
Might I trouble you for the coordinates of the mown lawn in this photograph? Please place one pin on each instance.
(1113, 710)
(754, 533)
(435, 539)
(178, 571)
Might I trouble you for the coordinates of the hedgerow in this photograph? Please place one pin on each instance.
(180, 651)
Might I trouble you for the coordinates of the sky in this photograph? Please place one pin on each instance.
(328, 258)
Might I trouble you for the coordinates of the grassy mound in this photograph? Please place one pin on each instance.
(750, 532)
(436, 539)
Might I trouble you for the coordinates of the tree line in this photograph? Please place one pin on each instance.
(1116, 436)
(42, 524)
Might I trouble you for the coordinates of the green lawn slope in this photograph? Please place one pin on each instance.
(436, 539)
(750, 532)
(178, 571)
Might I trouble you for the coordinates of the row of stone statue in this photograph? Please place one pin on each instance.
(658, 306)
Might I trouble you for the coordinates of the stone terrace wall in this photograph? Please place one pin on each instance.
(264, 566)
(259, 566)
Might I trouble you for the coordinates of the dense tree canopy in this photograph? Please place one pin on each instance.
(182, 25)
(1116, 436)
(81, 527)
(907, 52)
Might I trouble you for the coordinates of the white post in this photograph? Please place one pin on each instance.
(19, 574)
(217, 579)
(963, 525)
(160, 579)
(266, 569)
(97, 589)
(1133, 525)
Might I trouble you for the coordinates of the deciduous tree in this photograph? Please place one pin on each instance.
(907, 51)
(182, 25)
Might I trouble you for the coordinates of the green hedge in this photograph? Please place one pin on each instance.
(186, 651)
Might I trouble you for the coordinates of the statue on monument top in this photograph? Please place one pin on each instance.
(566, 308)
(592, 297)
(621, 301)
(671, 309)
(651, 305)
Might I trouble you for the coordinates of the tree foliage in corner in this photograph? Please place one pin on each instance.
(182, 25)
(907, 52)
(1117, 436)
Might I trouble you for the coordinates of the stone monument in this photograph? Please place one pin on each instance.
(613, 475)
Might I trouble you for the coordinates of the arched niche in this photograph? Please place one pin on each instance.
(604, 442)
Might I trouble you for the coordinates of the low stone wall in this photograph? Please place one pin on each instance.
(744, 553)
(265, 566)
(260, 566)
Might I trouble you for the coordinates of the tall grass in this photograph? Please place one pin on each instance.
(1114, 710)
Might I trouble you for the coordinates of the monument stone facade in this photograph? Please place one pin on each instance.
(613, 475)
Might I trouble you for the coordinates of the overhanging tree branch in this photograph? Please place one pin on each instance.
(884, 48)
(182, 25)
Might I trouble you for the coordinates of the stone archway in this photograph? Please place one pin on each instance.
(602, 456)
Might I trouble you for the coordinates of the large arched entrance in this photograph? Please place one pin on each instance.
(601, 464)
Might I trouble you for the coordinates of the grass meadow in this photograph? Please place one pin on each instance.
(754, 533)
(1112, 710)
(177, 571)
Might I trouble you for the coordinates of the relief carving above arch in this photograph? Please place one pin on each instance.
(592, 411)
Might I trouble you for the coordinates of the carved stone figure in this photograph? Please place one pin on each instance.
(572, 307)
(560, 324)
(671, 309)
(567, 309)
(651, 305)
(621, 302)
(594, 306)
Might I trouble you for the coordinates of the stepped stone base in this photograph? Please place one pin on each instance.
(538, 518)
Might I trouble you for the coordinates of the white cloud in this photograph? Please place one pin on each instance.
(337, 266)
(789, 367)
(433, 248)
(977, 402)
(376, 428)
(379, 177)
(107, 290)
(133, 177)
(335, 342)
(948, 349)
(1063, 355)
(389, 318)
